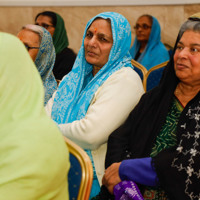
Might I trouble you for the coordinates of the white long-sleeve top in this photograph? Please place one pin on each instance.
(111, 105)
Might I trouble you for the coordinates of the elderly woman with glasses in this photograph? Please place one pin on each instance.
(40, 47)
(65, 56)
(147, 48)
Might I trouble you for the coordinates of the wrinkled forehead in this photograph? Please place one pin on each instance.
(99, 19)
(110, 17)
(118, 23)
(144, 20)
(28, 36)
(101, 25)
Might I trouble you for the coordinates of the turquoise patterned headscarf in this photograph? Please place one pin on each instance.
(45, 62)
(155, 51)
(77, 88)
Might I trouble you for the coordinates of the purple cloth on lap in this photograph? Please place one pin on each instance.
(127, 190)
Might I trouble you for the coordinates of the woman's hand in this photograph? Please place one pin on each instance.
(111, 177)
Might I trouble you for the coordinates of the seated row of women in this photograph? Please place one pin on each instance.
(88, 96)
(97, 96)
(54, 63)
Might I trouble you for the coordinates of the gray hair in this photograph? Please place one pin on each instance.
(36, 29)
(190, 25)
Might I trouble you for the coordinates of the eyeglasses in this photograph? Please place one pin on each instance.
(143, 26)
(28, 48)
(46, 26)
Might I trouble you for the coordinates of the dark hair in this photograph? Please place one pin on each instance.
(108, 20)
(148, 16)
(50, 14)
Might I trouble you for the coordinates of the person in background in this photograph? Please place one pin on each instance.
(147, 48)
(158, 147)
(39, 44)
(65, 56)
(98, 94)
(34, 157)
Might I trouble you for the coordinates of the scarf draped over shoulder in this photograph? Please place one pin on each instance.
(77, 88)
(44, 62)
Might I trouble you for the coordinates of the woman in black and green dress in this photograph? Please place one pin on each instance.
(158, 147)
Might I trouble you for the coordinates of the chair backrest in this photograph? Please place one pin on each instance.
(169, 49)
(153, 76)
(80, 174)
(58, 81)
(140, 69)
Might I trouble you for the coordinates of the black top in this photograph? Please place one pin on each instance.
(178, 167)
(64, 63)
(137, 55)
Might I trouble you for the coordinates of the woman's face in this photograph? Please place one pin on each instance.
(98, 43)
(30, 40)
(187, 58)
(143, 29)
(45, 22)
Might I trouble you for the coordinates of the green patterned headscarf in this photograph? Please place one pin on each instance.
(34, 158)
(60, 39)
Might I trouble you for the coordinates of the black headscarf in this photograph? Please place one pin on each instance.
(136, 137)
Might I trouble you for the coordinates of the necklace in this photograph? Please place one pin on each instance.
(177, 91)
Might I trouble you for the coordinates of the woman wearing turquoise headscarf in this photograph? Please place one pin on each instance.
(65, 56)
(44, 55)
(34, 158)
(147, 48)
(98, 94)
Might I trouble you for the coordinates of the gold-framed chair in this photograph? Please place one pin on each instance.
(153, 76)
(80, 174)
(140, 69)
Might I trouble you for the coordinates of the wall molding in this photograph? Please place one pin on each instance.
(94, 2)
